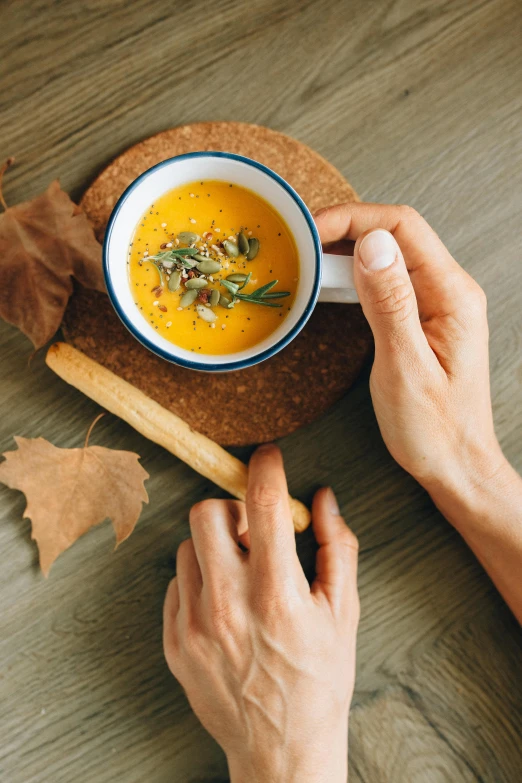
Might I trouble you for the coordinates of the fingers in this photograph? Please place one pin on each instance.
(214, 528)
(188, 574)
(269, 519)
(387, 296)
(416, 238)
(435, 275)
(170, 611)
(337, 556)
(171, 605)
(211, 558)
(239, 513)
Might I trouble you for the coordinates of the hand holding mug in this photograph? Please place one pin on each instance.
(430, 378)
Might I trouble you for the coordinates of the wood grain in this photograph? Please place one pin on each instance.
(413, 101)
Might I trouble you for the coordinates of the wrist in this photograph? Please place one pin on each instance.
(317, 761)
(250, 771)
(473, 487)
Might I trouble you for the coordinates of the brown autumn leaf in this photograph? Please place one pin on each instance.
(68, 491)
(43, 244)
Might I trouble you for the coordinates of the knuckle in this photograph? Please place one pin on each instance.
(270, 607)
(203, 510)
(349, 542)
(191, 641)
(409, 214)
(274, 599)
(223, 618)
(395, 300)
(265, 496)
(478, 299)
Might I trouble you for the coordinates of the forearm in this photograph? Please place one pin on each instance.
(488, 515)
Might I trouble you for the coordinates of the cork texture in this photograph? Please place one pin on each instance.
(260, 403)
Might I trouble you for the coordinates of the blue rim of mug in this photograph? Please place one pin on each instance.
(239, 364)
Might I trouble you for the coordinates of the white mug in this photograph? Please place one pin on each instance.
(323, 277)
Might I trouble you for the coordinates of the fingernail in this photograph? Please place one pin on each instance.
(378, 250)
(332, 502)
(266, 447)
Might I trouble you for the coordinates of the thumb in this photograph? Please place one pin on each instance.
(337, 556)
(386, 292)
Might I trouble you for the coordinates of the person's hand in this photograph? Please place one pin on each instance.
(267, 662)
(430, 377)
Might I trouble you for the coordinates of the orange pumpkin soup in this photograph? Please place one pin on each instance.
(213, 267)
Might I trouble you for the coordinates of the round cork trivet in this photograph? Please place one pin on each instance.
(260, 403)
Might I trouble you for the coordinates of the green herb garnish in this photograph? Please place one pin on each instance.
(167, 255)
(259, 296)
(178, 256)
(151, 261)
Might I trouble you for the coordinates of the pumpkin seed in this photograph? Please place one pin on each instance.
(208, 266)
(200, 257)
(188, 298)
(223, 301)
(242, 243)
(237, 277)
(196, 282)
(231, 249)
(187, 263)
(188, 237)
(206, 314)
(253, 248)
(214, 297)
(174, 281)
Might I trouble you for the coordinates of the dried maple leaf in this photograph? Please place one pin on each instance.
(43, 244)
(68, 491)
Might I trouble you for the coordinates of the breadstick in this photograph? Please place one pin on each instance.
(157, 424)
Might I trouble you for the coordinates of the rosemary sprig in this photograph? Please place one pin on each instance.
(259, 296)
(276, 294)
(264, 288)
(151, 261)
(256, 300)
(179, 256)
(166, 255)
(245, 281)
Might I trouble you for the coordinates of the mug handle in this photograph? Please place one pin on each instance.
(337, 284)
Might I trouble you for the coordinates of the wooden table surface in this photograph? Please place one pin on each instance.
(416, 102)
